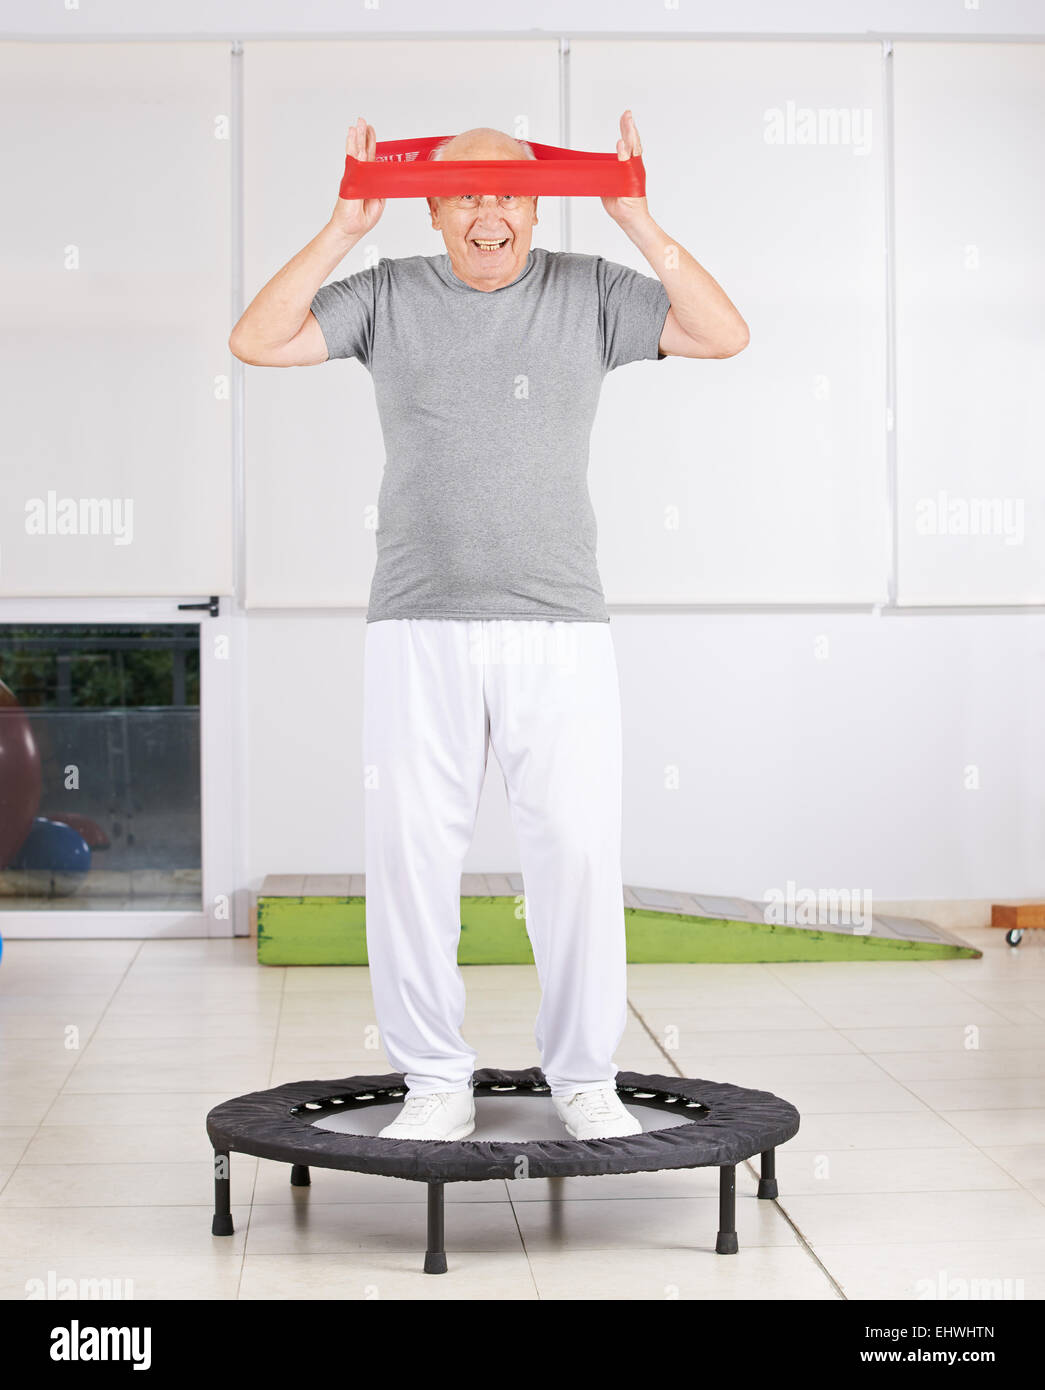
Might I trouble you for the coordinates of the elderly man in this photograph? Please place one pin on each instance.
(486, 623)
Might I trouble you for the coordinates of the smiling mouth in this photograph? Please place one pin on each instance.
(486, 247)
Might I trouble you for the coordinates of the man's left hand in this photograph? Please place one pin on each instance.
(627, 211)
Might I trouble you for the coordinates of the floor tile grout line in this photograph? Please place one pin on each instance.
(870, 1057)
(1007, 1171)
(655, 1040)
(943, 1115)
(802, 1240)
(931, 1108)
(522, 1241)
(80, 1050)
(257, 1165)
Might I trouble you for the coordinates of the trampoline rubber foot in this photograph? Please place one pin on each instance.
(435, 1262)
(222, 1226)
(300, 1176)
(726, 1243)
(767, 1188)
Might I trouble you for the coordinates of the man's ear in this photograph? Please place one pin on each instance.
(432, 209)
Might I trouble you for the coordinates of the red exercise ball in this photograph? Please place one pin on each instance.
(20, 779)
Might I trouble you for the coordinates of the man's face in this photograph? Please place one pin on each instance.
(487, 237)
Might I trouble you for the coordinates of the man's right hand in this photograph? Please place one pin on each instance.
(354, 217)
(278, 328)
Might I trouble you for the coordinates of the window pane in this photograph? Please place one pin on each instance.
(100, 750)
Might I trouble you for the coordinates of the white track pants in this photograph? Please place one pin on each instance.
(437, 693)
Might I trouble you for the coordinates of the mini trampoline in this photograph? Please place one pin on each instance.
(334, 1124)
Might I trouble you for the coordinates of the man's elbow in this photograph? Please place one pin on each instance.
(239, 347)
(248, 352)
(738, 343)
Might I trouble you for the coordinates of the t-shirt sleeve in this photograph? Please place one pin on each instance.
(345, 310)
(632, 310)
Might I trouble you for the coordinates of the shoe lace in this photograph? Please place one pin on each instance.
(596, 1105)
(417, 1109)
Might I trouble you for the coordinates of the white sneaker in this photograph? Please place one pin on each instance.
(442, 1115)
(596, 1115)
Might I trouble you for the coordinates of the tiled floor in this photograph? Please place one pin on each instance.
(920, 1162)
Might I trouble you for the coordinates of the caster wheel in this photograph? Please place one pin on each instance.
(1014, 937)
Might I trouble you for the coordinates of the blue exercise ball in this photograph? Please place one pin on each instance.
(54, 856)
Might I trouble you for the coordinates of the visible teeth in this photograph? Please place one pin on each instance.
(488, 244)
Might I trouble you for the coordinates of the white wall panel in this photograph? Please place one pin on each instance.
(832, 750)
(114, 281)
(970, 228)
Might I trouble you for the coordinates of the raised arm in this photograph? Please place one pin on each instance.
(278, 328)
(702, 321)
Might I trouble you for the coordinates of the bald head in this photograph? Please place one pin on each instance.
(482, 143)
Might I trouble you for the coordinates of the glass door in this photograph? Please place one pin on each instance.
(106, 773)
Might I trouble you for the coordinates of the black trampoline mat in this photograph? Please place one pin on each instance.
(515, 1118)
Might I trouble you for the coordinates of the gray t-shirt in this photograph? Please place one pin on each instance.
(486, 401)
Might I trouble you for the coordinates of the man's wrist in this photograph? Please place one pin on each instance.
(643, 231)
(340, 241)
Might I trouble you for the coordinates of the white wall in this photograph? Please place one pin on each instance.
(970, 225)
(845, 771)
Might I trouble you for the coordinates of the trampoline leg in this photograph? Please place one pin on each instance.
(299, 1175)
(435, 1255)
(767, 1182)
(222, 1223)
(727, 1211)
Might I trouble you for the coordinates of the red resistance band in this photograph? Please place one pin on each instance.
(402, 169)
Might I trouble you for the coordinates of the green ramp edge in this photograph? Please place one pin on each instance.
(332, 931)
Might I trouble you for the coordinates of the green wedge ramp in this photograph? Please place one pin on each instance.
(316, 929)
